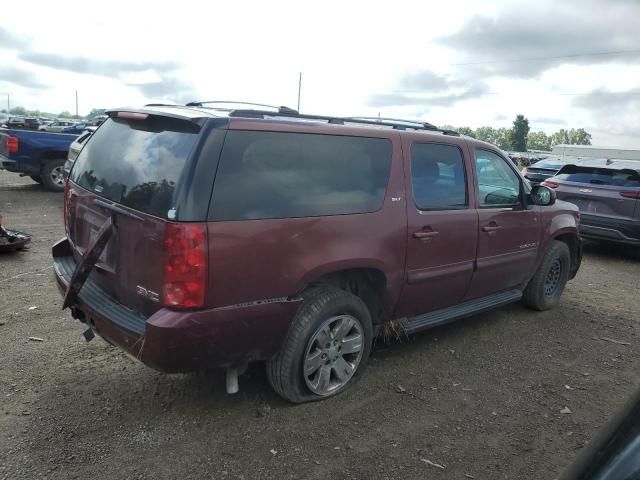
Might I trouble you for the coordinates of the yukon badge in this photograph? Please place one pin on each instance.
(143, 292)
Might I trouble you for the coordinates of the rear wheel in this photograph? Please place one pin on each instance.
(52, 175)
(545, 288)
(326, 348)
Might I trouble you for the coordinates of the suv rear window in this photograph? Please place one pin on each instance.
(599, 176)
(137, 164)
(279, 175)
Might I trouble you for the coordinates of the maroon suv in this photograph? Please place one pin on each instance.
(204, 239)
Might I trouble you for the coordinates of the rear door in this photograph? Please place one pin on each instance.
(131, 172)
(442, 225)
(508, 233)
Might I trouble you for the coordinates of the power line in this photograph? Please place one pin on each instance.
(557, 57)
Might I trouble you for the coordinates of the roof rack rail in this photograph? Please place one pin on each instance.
(396, 124)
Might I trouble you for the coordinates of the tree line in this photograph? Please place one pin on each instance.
(519, 138)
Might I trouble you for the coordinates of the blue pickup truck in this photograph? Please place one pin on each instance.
(40, 155)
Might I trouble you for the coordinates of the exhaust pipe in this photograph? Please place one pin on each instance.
(232, 380)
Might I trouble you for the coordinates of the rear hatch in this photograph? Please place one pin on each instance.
(599, 191)
(132, 171)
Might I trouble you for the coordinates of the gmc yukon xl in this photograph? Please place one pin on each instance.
(202, 238)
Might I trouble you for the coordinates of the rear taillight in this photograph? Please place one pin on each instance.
(549, 184)
(185, 265)
(65, 212)
(635, 195)
(12, 144)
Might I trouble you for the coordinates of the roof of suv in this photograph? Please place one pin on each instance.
(282, 115)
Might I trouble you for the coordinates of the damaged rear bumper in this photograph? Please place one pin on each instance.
(178, 341)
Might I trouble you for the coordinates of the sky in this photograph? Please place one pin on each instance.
(569, 64)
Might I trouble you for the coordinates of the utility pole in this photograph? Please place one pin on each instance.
(76, 103)
(8, 103)
(299, 88)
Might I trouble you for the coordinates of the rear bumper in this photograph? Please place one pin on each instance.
(172, 341)
(612, 230)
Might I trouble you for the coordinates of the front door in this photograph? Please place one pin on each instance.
(442, 228)
(508, 230)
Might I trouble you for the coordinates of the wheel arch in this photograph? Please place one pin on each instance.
(572, 240)
(366, 280)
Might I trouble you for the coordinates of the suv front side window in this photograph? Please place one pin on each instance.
(437, 177)
(498, 184)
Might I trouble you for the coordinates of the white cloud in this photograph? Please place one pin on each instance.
(127, 52)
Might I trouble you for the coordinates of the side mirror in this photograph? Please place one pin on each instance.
(541, 195)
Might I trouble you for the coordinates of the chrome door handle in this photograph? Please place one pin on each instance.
(492, 227)
(425, 235)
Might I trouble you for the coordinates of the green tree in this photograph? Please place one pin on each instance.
(18, 111)
(466, 131)
(579, 136)
(503, 138)
(486, 134)
(538, 141)
(561, 137)
(64, 114)
(519, 134)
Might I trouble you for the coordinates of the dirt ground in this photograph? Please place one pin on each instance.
(481, 398)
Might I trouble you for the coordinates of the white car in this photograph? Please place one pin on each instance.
(75, 147)
(56, 126)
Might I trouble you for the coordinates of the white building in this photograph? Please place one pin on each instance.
(594, 151)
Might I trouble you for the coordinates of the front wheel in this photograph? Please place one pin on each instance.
(52, 175)
(545, 288)
(326, 348)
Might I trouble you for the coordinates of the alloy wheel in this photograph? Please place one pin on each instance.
(333, 354)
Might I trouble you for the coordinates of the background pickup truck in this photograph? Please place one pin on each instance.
(40, 155)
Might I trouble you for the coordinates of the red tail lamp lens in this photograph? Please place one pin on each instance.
(186, 265)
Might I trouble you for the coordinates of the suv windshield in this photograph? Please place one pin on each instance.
(599, 176)
(137, 164)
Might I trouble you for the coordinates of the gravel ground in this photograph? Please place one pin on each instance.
(481, 398)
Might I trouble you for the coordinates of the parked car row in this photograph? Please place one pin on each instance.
(48, 125)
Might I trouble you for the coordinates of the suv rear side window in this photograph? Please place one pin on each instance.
(437, 175)
(280, 175)
(498, 184)
(137, 164)
(599, 176)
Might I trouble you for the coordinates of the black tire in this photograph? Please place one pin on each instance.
(545, 288)
(285, 370)
(50, 175)
(36, 178)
